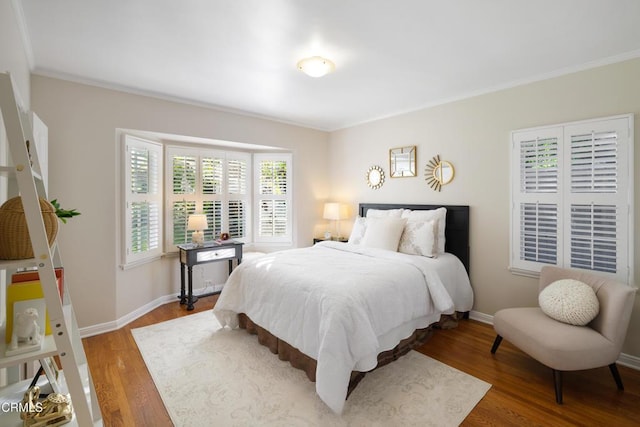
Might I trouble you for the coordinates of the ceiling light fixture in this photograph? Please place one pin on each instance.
(316, 66)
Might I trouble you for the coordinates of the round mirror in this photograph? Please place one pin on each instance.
(443, 173)
(438, 173)
(375, 177)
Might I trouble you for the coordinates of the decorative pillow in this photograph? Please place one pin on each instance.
(439, 215)
(357, 232)
(384, 213)
(383, 233)
(569, 301)
(420, 238)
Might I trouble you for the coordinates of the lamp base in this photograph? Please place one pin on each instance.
(198, 238)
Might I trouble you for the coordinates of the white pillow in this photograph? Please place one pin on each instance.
(439, 215)
(383, 233)
(383, 213)
(357, 232)
(420, 238)
(569, 301)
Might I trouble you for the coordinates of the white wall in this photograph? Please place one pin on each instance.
(84, 174)
(474, 135)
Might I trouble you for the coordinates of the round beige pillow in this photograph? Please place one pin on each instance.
(569, 301)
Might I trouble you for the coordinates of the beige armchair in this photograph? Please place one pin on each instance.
(565, 347)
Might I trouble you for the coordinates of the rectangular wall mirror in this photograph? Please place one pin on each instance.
(402, 162)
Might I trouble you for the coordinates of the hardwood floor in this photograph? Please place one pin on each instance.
(521, 393)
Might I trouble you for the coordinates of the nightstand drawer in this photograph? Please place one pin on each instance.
(212, 254)
(319, 239)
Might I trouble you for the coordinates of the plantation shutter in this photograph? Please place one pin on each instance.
(211, 182)
(184, 181)
(273, 176)
(572, 201)
(212, 192)
(599, 196)
(238, 196)
(539, 233)
(143, 200)
(536, 199)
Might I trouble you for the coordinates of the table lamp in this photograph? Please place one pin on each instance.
(197, 223)
(336, 212)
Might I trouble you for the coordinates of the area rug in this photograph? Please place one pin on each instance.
(213, 376)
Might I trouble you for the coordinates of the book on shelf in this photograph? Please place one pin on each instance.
(31, 275)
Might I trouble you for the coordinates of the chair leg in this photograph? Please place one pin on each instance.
(616, 375)
(496, 344)
(557, 381)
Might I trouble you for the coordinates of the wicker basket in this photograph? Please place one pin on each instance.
(15, 242)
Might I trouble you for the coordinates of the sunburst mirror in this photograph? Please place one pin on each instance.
(438, 173)
(375, 177)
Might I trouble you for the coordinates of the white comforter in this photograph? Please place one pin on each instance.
(343, 304)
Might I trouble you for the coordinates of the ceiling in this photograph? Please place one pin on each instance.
(391, 56)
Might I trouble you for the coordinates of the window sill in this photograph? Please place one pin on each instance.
(525, 273)
(134, 264)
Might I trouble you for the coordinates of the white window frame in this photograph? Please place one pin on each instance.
(163, 199)
(287, 237)
(564, 198)
(130, 258)
(224, 197)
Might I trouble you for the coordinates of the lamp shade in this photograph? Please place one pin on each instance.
(197, 222)
(335, 211)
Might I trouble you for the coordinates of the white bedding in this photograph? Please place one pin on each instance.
(342, 304)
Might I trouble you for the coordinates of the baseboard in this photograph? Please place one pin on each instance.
(481, 317)
(126, 319)
(101, 328)
(627, 360)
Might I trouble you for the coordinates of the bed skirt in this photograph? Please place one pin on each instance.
(307, 364)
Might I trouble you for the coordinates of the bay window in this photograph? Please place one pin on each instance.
(247, 195)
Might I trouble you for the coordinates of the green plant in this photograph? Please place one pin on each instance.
(63, 214)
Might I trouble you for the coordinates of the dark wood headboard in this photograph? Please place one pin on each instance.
(456, 231)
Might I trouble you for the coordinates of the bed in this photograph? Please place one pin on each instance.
(338, 310)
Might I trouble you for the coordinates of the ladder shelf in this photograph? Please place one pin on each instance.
(64, 341)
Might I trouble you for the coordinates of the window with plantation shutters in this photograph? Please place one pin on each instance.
(143, 200)
(273, 197)
(243, 193)
(572, 199)
(211, 182)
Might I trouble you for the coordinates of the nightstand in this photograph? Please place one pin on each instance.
(320, 239)
(191, 255)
